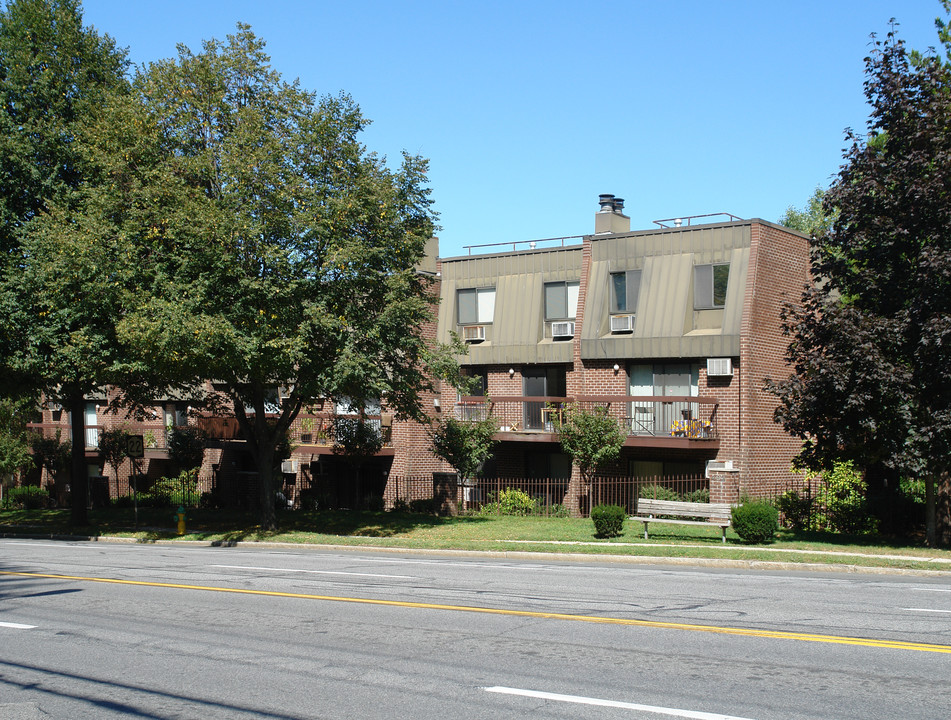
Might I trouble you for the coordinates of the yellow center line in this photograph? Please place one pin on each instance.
(748, 632)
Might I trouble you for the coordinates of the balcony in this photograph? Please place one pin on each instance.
(678, 421)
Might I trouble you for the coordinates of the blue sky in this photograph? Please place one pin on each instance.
(528, 110)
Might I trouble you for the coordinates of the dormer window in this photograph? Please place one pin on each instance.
(625, 287)
(709, 286)
(561, 300)
(475, 305)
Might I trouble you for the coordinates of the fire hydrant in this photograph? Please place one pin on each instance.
(180, 516)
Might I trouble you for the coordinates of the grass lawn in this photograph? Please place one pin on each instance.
(476, 532)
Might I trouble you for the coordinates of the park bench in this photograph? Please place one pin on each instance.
(649, 511)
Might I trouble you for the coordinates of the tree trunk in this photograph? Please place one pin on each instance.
(576, 498)
(265, 462)
(79, 477)
(931, 515)
(943, 510)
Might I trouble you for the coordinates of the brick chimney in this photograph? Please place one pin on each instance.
(610, 218)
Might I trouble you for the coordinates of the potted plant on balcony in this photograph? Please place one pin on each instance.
(306, 430)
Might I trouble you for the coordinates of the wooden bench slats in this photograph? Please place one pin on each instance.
(718, 514)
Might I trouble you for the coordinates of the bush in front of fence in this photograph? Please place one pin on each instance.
(28, 497)
(755, 521)
(608, 520)
(655, 491)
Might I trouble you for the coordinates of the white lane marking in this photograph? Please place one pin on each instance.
(16, 626)
(577, 699)
(314, 572)
(60, 545)
(467, 564)
(925, 610)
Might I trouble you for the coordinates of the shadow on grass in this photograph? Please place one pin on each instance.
(867, 540)
(225, 527)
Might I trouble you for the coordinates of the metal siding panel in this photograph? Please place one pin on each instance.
(596, 307)
(664, 295)
(736, 292)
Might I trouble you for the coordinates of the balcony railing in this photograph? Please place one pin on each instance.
(320, 429)
(693, 418)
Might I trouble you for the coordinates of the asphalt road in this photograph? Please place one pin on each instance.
(197, 632)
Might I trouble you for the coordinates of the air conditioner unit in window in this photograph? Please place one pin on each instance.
(562, 330)
(289, 467)
(473, 333)
(622, 323)
(719, 367)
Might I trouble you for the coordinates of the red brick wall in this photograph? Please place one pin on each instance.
(778, 271)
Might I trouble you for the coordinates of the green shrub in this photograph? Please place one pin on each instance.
(608, 520)
(755, 521)
(511, 501)
(557, 510)
(373, 503)
(843, 496)
(700, 495)
(658, 492)
(172, 492)
(400, 506)
(424, 506)
(28, 497)
(797, 510)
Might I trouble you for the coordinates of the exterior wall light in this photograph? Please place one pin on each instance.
(511, 372)
(616, 368)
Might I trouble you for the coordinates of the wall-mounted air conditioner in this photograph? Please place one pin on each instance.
(289, 467)
(719, 367)
(473, 333)
(562, 330)
(622, 323)
(719, 465)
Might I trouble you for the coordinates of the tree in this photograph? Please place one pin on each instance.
(281, 252)
(113, 447)
(14, 439)
(52, 455)
(593, 439)
(464, 444)
(814, 219)
(55, 76)
(871, 341)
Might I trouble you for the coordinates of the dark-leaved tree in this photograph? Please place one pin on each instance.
(871, 341)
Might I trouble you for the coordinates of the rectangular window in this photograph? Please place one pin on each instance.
(476, 305)
(479, 377)
(709, 286)
(625, 287)
(561, 300)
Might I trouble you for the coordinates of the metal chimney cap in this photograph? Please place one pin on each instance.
(618, 204)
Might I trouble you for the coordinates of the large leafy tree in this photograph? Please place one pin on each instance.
(56, 291)
(280, 253)
(15, 453)
(871, 341)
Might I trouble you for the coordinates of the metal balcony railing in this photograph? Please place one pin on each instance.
(688, 417)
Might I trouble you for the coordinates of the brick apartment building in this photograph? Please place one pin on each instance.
(674, 330)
